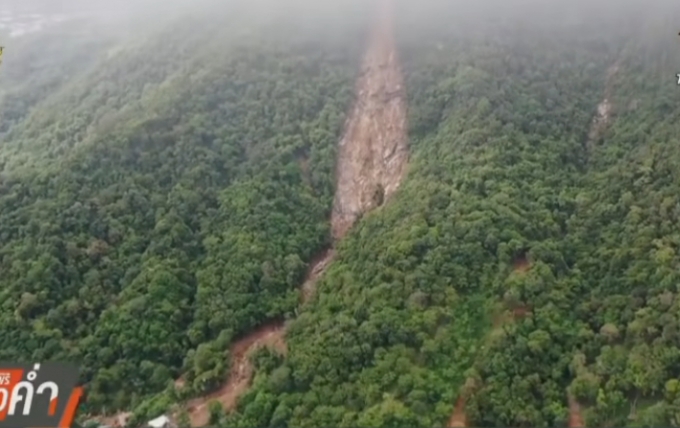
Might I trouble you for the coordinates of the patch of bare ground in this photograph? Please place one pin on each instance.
(372, 158)
(373, 153)
(604, 109)
(521, 265)
(503, 317)
(371, 162)
(458, 418)
(575, 417)
(318, 267)
(270, 335)
(241, 372)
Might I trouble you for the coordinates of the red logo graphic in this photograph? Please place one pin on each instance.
(28, 401)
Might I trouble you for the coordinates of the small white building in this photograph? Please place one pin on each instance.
(161, 422)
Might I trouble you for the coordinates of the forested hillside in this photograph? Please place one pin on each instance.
(521, 263)
(164, 193)
(169, 195)
(36, 66)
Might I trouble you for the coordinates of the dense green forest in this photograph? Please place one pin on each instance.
(37, 66)
(164, 193)
(169, 196)
(502, 173)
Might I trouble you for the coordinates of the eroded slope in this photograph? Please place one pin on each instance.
(371, 163)
(373, 152)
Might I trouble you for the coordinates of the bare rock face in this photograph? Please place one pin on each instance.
(604, 109)
(373, 152)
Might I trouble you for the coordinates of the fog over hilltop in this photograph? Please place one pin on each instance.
(494, 186)
(30, 15)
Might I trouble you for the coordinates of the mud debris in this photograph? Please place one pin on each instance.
(372, 158)
(373, 153)
(458, 418)
(604, 109)
(271, 336)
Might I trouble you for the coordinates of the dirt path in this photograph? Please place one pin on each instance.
(372, 160)
(271, 335)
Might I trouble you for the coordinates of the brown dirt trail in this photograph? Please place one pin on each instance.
(575, 418)
(372, 158)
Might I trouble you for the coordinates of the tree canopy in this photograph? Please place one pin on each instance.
(162, 195)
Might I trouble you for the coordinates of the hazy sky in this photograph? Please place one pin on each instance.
(417, 15)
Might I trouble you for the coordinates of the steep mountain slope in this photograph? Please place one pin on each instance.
(502, 175)
(36, 66)
(163, 199)
(373, 152)
(395, 327)
(371, 157)
(626, 228)
(150, 206)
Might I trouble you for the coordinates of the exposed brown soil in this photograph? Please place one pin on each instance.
(373, 153)
(521, 265)
(458, 418)
(118, 420)
(318, 267)
(575, 418)
(520, 312)
(270, 335)
(372, 159)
